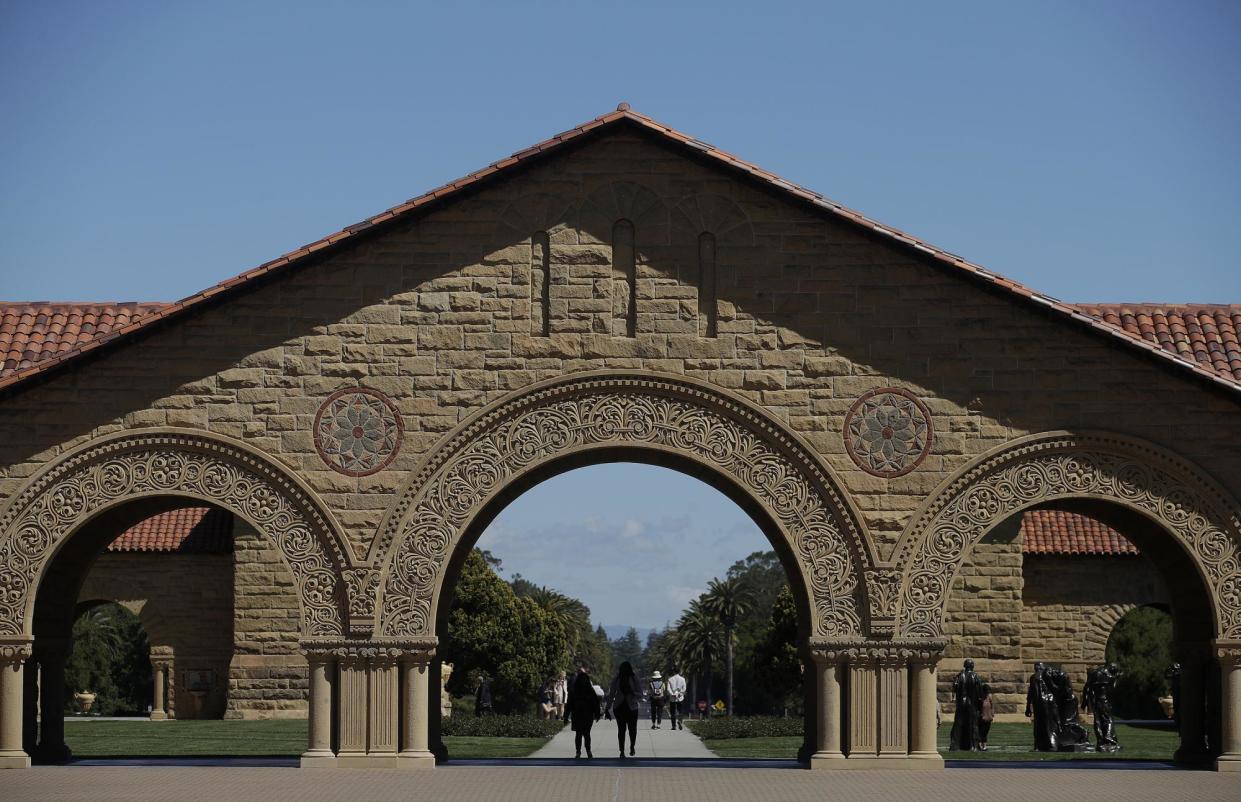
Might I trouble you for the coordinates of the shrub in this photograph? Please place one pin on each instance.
(748, 727)
(500, 726)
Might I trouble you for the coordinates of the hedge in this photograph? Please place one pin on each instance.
(723, 728)
(499, 726)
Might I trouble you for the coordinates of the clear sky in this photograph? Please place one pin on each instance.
(1088, 149)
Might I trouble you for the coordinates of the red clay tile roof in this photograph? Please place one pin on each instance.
(33, 332)
(622, 116)
(189, 530)
(1058, 532)
(1209, 335)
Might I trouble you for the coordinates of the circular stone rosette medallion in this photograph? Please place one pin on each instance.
(358, 431)
(888, 432)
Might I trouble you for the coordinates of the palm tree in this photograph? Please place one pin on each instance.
(695, 640)
(728, 600)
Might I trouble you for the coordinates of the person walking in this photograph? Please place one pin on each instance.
(676, 697)
(560, 693)
(623, 701)
(986, 715)
(583, 709)
(547, 704)
(482, 696)
(657, 692)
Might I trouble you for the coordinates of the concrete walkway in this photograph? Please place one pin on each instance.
(606, 783)
(661, 743)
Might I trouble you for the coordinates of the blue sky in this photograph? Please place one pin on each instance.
(1088, 149)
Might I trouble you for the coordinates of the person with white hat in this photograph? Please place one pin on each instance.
(658, 695)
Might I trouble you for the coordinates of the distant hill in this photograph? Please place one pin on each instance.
(617, 630)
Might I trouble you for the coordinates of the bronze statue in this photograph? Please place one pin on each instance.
(967, 691)
(1070, 734)
(1041, 708)
(1097, 696)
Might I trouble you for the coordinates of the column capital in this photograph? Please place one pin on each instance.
(861, 652)
(1228, 652)
(15, 650)
(370, 649)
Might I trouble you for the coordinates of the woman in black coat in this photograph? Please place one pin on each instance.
(583, 709)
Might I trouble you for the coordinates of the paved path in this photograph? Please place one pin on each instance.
(611, 783)
(663, 742)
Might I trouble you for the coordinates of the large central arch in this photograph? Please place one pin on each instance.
(569, 418)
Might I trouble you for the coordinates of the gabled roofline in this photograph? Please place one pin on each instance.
(622, 114)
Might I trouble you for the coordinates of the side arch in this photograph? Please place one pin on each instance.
(555, 420)
(1194, 510)
(107, 473)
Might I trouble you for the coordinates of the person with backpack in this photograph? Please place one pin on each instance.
(658, 695)
(623, 700)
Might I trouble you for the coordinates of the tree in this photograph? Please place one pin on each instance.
(777, 667)
(727, 600)
(110, 658)
(1141, 644)
(695, 640)
(511, 639)
(628, 647)
(763, 573)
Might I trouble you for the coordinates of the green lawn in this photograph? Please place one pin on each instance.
(1007, 742)
(102, 739)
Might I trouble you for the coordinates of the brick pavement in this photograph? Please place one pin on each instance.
(608, 784)
(660, 743)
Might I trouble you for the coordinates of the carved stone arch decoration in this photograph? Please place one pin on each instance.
(1202, 517)
(553, 420)
(625, 200)
(535, 212)
(102, 474)
(712, 214)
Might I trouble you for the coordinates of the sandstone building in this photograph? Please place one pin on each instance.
(885, 411)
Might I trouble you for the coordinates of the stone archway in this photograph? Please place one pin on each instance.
(101, 478)
(1184, 503)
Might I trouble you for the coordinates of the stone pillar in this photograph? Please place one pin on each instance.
(30, 707)
(863, 705)
(415, 712)
(1192, 704)
(383, 707)
(52, 654)
(322, 676)
(922, 708)
(351, 707)
(13, 657)
(1230, 697)
(893, 698)
(829, 666)
(159, 673)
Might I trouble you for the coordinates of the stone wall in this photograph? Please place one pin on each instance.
(268, 676)
(185, 604)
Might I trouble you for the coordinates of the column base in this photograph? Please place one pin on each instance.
(882, 763)
(1228, 763)
(826, 760)
(356, 761)
(319, 759)
(416, 760)
(14, 760)
(158, 716)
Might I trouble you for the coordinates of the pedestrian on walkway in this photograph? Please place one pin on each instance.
(676, 697)
(583, 709)
(560, 693)
(482, 697)
(624, 698)
(986, 714)
(657, 692)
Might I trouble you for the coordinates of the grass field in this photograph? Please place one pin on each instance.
(103, 739)
(1007, 742)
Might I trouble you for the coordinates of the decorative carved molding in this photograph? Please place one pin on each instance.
(373, 650)
(884, 587)
(358, 431)
(888, 432)
(869, 653)
(1059, 465)
(1228, 654)
(57, 502)
(15, 651)
(553, 420)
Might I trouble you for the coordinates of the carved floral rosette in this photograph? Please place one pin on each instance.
(544, 424)
(1045, 468)
(67, 495)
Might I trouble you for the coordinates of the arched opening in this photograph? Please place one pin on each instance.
(1048, 585)
(635, 560)
(1142, 645)
(108, 672)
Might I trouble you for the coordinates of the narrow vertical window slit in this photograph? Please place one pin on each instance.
(625, 280)
(540, 285)
(708, 308)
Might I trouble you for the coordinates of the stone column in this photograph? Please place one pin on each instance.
(1230, 702)
(922, 708)
(351, 710)
(52, 654)
(863, 705)
(383, 708)
(415, 712)
(159, 673)
(322, 676)
(13, 657)
(829, 666)
(893, 697)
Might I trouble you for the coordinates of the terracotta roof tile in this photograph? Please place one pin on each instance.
(31, 333)
(189, 530)
(623, 114)
(1059, 532)
(1210, 335)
